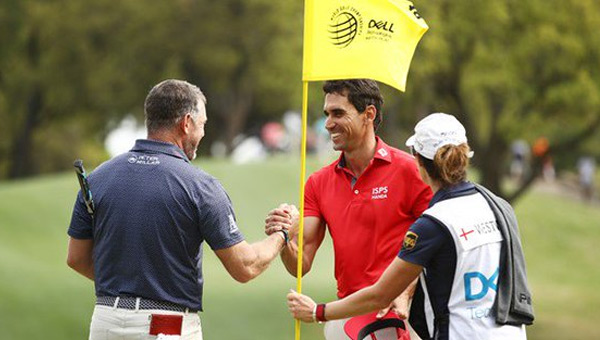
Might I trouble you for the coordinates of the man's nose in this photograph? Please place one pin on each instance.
(329, 123)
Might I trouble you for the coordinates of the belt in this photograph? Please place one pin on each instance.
(128, 302)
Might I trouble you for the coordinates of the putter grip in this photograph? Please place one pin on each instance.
(85, 188)
(78, 164)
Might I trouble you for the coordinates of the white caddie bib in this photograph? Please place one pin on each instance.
(477, 240)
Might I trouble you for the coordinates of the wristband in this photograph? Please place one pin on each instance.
(314, 313)
(285, 234)
(320, 312)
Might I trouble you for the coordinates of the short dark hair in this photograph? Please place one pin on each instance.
(360, 93)
(169, 101)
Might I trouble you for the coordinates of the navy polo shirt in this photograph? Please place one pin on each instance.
(153, 211)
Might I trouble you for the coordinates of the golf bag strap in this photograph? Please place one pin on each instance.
(380, 324)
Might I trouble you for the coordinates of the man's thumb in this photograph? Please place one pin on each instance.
(382, 312)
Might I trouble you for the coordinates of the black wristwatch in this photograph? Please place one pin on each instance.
(286, 235)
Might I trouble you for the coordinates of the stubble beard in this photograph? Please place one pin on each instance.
(190, 149)
(339, 145)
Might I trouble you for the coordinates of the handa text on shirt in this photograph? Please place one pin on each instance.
(379, 193)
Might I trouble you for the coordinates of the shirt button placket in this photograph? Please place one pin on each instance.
(356, 192)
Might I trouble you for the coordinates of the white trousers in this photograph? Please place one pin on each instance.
(109, 323)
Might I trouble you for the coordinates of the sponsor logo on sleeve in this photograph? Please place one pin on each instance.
(410, 240)
(232, 225)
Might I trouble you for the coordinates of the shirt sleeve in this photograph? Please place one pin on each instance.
(311, 202)
(81, 221)
(217, 219)
(423, 241)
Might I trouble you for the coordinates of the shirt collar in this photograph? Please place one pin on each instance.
(155, 146)
(382, 152)
(460, 189)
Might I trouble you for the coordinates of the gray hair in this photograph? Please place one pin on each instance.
(169, 101)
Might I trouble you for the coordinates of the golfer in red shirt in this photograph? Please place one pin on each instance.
(367, 198)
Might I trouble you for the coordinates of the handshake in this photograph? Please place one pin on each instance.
(284, 219)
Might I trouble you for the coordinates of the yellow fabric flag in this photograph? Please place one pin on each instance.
(374, 39)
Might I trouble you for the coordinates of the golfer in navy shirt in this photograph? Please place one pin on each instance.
(153, 211)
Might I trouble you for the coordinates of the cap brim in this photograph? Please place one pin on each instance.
(354, 326)
(410, 141)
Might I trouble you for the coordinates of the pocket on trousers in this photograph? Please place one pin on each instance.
(192, 328)
(98, 334)
(100, 324)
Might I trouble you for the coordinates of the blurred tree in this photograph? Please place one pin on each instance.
(508, 70)
(70, 70)
(75, 68)
(246, 56)
(62, 77)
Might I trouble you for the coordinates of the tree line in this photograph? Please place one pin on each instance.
(69, 71)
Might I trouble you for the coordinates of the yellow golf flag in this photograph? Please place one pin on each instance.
(374, 39)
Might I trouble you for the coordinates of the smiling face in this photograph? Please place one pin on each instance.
(347, 127)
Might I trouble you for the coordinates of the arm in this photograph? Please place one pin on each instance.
(394, 280)
(400, 305)
(79, 257)
(246, 261)
(314, 233)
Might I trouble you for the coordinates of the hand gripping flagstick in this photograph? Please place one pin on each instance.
(85, 187)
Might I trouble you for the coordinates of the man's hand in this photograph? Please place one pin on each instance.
(301, 306)
(295, 215)
(398, 306)
(283, 217)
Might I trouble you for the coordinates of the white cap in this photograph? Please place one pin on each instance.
(435, 131)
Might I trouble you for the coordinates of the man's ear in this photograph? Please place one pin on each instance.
(185, 124)
(370, 113)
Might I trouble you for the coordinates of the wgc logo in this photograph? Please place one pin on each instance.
(346, 24)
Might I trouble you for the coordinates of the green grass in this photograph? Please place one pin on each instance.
(41, 298)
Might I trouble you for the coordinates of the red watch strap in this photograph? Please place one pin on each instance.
(320, 314)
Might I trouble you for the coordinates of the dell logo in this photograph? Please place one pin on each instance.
(382, 25)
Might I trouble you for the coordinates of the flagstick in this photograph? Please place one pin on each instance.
(302, 175)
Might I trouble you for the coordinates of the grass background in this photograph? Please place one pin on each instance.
(41, 298)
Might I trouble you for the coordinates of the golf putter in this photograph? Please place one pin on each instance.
(85, 187)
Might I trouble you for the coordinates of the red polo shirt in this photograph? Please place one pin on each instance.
(367, 221)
